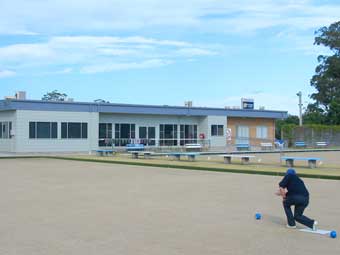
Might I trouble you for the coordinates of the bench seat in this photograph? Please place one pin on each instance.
(300, 144)
(190, 155)
(241, 146)
(244, 158)
(311, 161)
(134, 147)
(321, 144)
(146, 154)
(193, 147)
(265, 146)
(105, 152)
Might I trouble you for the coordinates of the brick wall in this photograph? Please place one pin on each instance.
(252, 123)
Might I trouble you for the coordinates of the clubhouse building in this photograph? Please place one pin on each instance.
(28, 126)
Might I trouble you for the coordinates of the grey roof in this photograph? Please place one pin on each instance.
(38, 105)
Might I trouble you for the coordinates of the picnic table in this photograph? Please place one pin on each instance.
(311, 161)
(244, 158)
(190, 155)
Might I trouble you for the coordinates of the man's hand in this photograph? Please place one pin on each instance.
(281, 192)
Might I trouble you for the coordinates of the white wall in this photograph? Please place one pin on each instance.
(24, 144)
(216, 141)
(8, 145)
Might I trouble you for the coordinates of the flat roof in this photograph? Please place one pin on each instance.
(39, 105)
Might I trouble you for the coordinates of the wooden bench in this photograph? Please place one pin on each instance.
(321, 144)
(242, 146)
(193, 147)
(190, 155)
(300, 144)
(146, 154)
(265, 146)
(134, 147)
(244, 158)
(311, 161)
(105, 152)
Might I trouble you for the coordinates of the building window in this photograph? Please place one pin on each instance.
(217, 130)
(168, 135)
(105, 134)
(188, 134)
(242, 134)
(73, 130)
(262, 132)
(147, 135)
(43, 130)
(124, 133)
(5, 130)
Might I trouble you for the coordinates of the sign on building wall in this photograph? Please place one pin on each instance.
(228, 134)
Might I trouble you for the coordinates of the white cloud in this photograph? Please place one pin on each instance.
(6, 73)
(117, 15)
(190, 52)
(100, 68)
(92, 54)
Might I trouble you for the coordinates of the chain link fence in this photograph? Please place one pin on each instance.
(312, 137)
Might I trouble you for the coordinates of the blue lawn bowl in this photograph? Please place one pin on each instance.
(258, 216)
(333, 234)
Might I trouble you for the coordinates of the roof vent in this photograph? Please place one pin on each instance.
(21, 95)
(188, 104)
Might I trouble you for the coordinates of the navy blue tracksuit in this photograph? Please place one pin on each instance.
(298, 196)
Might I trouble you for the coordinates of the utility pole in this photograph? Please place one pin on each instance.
(299, 94)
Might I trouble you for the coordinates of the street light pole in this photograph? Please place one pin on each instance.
(299, 94)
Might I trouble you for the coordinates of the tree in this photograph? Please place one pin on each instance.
(314, 115)
(327, 78)
(291, 119)
(54, 96)
(101, 101)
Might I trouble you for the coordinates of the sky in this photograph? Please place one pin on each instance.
(211, 52)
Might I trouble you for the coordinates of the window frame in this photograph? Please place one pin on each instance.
(53, 134)
(65, 134)
(217, 130)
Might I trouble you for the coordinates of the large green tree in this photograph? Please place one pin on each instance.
(54, 96)
(326, 80)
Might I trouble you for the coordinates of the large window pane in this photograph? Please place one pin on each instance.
(84, 130)
(54, 130)
(43, 130)
(102, 130)
(142, 132)
(74, 130)
(262, 132)
(133, 131)
(63, 130)
(213, 130)
(32, 130)
(220, 130)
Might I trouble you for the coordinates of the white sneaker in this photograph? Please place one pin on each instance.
(288, 226)
(315, 226)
